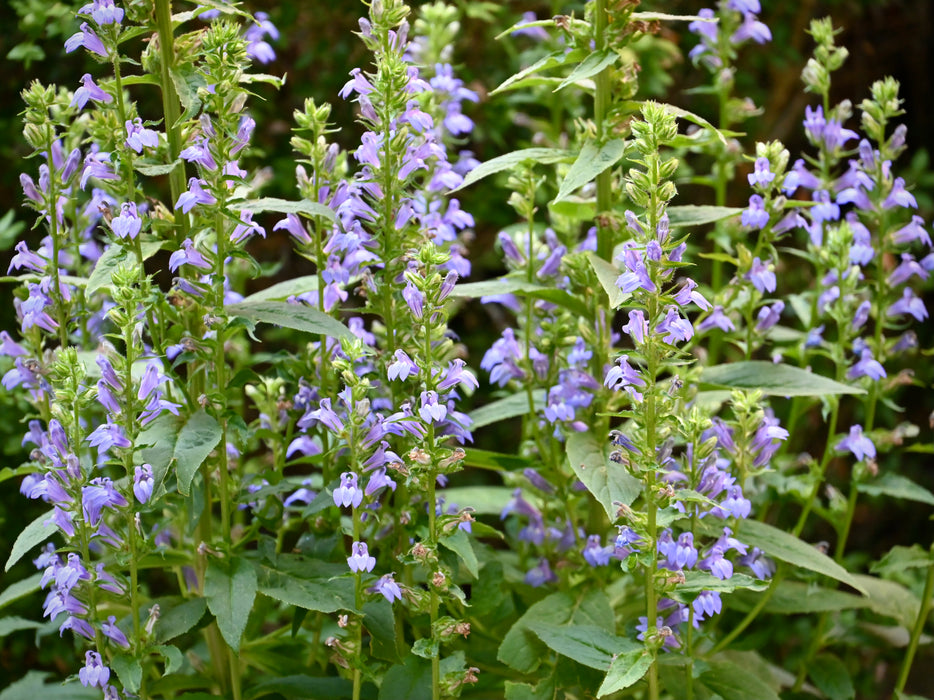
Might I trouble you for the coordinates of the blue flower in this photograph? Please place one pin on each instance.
(89, 90)
(348, 493)
(857, 443)
(360, 559)
(93, 672)
(386, 586)
(755, 216)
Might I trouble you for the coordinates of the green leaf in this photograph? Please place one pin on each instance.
(544, 690)
(774, 379)
(34, 534)
(20, 589)
(496, 461)
(7, 473)
(112, 258)
(897, 486)
(411, 680)
(625, 671)
(607, 481)
(198, 437)
(174, 659)
(32, 686)
(785, 546)
(301, 687)
(587, 644)
(521, 650)
(512, 285)
(734, 681)
(459, 543)
(664, 17)
(697, 581)
(556, 58)
(831, 677)
(510, 160)
(484, 500)
(380, 623)
(281, 290)
(128, 670)
(322, 594)
(795, 597)
(589, 67)
(155, 170)
(295, 316)
(508, 407)
(284, 206)
(901, 558)
(891, 599)
(694, 215)
(9, 625)
(230, 587)
(175, 620)
(590, 163)
(159, 438)
(607, 274)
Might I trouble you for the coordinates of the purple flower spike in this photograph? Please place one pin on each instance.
(348, 493)
(360, 559)
(89, 90)
(387, 587)
(857, 443)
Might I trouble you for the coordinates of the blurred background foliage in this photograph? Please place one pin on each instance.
(316, 51)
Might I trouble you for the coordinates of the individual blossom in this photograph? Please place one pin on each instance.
(761, 567)
(89, 90)
(909, 304)
(247, 227)
(762, 276)
(768, 316)
(431, 410)
(143, 483)
(674, 327)
(194, 196)
(401, 367)
(755, 216)
(103, 12)
(387, 587)
(541, 574)
(751, 28)
(139, 137)
(595, 553)
(360, 559)
(716, 319)
(866, 366)
(762, 174)
(87, 38)
(127, 224)
(255, 36)
(188, 255)
(100, 494)
(114, 633)
(857, 443)
(93, 672)
(348, 493)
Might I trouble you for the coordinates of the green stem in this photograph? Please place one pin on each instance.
(926, 600)
(600, 106)
(170, 108)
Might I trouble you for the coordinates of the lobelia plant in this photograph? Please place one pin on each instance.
(275, 494)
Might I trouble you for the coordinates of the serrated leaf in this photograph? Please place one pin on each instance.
(197, 438)
(176, 620)
(284, 206)
(733, 681)
(607, 481)
(281, 290)
(459, 543)
(591, 162)
(128, 670)
(625, 671)
(32, 686)
(774, 379)
(694, 215)
(230, 587)
(511, 160)
(295, 316)
(901, 558)
(785, 546)
(159, 437)
(506, 408)
(831, 677)
(115, 255)
(589, 67)
(33, 535)
(20, 589)
(607, 274)
(586, 644)
(544, 690)
(172, 656)
(521, 649)
(897, 486)
(697, 581)
(322, 594)
(379, 620)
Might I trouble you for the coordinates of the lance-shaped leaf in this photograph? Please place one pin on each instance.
(34, 534)
(197, 438)
(607, 481)
(230, 587)
(508, 407)
(625, 671)
(695, 215)
(557, 58)
(284, 206)
(591, 162)
(112, 258)
(587, 644)
(589, 67)
(607, 274)
(774, 379)
(511, 160)
(295, 316)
